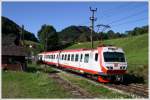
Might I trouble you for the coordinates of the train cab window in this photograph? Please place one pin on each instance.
(96, 56)
(68, 57)
(72, 57)
(65, 56)
(81, 57)
(86, 58)
(76, 57)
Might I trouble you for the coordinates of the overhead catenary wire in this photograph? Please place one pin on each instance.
(135, 21)
(127, 17)
(118, 8)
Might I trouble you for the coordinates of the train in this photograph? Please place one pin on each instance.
(106, 63)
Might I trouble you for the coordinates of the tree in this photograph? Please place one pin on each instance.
(48, 37)
(111, 34)
(10, 27)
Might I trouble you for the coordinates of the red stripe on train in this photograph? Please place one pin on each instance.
(87, 70)
(76, 68)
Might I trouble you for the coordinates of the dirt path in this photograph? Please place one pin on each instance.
(75, 90)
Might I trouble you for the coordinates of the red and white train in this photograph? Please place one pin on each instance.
(107, 63)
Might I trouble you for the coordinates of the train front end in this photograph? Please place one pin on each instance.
(113, 63)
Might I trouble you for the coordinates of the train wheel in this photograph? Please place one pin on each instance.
(119, 78)
(103, 80)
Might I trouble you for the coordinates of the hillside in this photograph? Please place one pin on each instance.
(9, 27)
(136, 50)
(76, 33)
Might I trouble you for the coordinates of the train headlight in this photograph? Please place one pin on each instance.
(109, 67)
(124, 67)
(121, 67)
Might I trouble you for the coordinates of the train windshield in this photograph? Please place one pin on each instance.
(114, 57)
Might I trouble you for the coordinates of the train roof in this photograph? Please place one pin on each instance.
(77, 50)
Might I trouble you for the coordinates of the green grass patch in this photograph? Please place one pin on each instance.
(31, 85)
(136, 52)
(96, 90)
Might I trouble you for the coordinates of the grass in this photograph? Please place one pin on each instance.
(136, 51)
(31, 85)
(96, 90)
(36, 84)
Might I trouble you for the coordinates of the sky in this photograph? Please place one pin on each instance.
(120, 16)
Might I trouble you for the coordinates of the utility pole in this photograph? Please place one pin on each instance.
(22, 33)
(92, 18)
(45, 48)
(45, 42)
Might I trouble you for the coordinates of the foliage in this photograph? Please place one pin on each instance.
(138, 31)
(10, 27)
(75, 34)
(136, 51)
(31, 85)
(94, 89)
(48, 37)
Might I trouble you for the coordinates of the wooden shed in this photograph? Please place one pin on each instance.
(13, 57)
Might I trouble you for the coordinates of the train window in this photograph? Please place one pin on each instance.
(96, 56)
(86, 58)
(76, 57)
(62, 57)
(81, 57)
(72, 57)
(54, 56)
(68, 57)
(114, 57)
(65, 56)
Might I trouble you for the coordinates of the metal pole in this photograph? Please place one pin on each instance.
(92, 18)
(22, 34)
(45, 48)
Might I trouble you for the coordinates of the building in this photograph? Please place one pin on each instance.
(13, 58)
(13, 54)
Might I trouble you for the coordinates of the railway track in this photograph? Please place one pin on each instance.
(133, 89)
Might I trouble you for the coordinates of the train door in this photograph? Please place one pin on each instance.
(80, 59)
(94, 61)
(85, 60)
